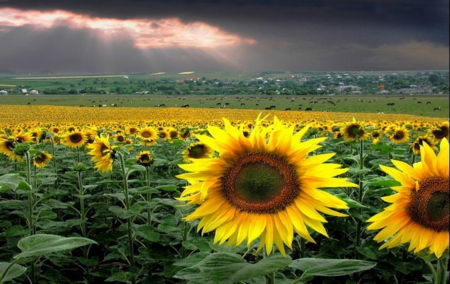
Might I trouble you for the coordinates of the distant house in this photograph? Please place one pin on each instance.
(34, 92)
(23, 91)
(3, 92)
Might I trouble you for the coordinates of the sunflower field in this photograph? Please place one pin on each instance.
(144, 195)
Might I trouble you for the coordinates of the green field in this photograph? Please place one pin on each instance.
(415, 105)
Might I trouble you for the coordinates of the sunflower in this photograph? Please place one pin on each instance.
(415, 146)
(119, 138)
(185, 133)
(197, 150)
(144, 158)
(441, 132)
(7, 145)
(102, 153)
(23, 137)
(173, 133)
(74, 139)
(163, 134)
(131, 130)
(147, 133)
(261, 186)
(353, 131)
(42, 159)
(419, 213)
(400, 135)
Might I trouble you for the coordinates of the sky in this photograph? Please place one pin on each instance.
(125, 36)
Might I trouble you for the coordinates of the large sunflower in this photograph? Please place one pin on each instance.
(263, 185)
(419, 213)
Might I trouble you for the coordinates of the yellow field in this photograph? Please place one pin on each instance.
(13, 115)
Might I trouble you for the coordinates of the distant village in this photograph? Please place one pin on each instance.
(333, 83)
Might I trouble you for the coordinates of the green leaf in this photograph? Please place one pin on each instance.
(383, 148)
(121, 212)
(119, 196)
(167, 187)
(13, 181)
(330, 267)
(149, 233)
(40, 244)
(14, 271)
(354, 171)
(350, 202)
(231, 268)
(385, 182)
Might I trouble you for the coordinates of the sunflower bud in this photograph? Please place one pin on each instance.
(21, 148)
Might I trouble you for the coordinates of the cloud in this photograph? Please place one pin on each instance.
(201, 35)
(144, 32)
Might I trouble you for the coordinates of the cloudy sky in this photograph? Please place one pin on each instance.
(111, 36)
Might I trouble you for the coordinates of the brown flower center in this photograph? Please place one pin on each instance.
(354, 131)
(261, 183)
(75, 138)
(429, 205)
(197, 151)
(104, 150)
(399, 135)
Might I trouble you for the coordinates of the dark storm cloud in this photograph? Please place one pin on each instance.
(291, 34)
(68, 50)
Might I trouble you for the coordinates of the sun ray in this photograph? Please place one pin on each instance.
(144, 32)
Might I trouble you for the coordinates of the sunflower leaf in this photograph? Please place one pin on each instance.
(41, 244)
(330, 267)
(14, 271)
(12, 181)
(231, 268)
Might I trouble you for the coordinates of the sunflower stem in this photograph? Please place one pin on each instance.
(302, 247)
(127, 207)
(360, 192)
(83, 222)
(270, 277)
(31, 217)
(149, 195)
(441, 273)
(431, 267)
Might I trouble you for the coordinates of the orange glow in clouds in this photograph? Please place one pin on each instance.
(145, 33)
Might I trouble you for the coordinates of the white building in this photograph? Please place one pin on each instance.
(34, 92)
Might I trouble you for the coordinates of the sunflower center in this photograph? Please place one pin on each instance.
(75, 138)
(197, 151)
(9, 145)
(261, 183)
(355, 131)
(146, 134)
(430, 204)
(104, 150)
(399, 135)
(40, 158)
